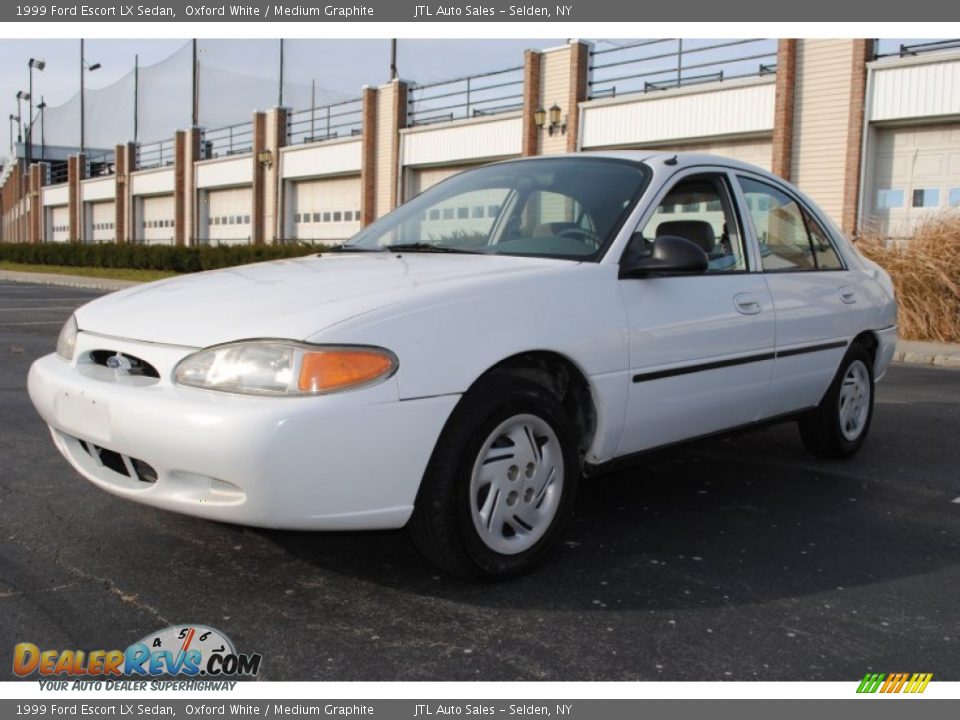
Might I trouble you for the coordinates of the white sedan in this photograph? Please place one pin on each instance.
(461, 363)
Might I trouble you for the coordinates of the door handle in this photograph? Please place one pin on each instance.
(847, 294)
(746, 304)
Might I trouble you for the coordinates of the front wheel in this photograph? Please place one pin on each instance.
(838, 426)
(500, 485)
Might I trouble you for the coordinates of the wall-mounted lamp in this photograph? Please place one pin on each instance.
(555, 127)
(539, 117)
(265, 158)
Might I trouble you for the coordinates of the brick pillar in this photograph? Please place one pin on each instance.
(125, 163)
(532, 76)
(190, 211)
(391, 117)
(862, 54)
(784, 108)
(273, 201)
(368, 158)
(38, 174)
(579, 77)
(259, 178)
(181, 168)
(76, 170)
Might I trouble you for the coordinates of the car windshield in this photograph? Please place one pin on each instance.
(570, 207)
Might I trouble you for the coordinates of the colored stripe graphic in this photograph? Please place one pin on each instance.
(894, 683)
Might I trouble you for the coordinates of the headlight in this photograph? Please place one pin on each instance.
(67, 341)
(280, 367)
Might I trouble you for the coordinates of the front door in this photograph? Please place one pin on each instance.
(701, 347)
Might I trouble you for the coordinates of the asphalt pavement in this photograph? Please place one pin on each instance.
(733, 559)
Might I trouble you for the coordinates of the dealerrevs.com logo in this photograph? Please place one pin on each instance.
(910, 683)
(179, 650)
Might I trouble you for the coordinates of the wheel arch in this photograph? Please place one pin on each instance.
(561, 376)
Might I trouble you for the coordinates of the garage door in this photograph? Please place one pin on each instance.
(59, 224)
(101, 219)
(423, 178)
(326, 210)
(915, 174)
(156, 226)
(228, 216)
(757, 152)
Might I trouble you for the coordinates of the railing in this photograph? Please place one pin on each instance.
(342, 119)
(485, 94)
(896, 48)
(649, 65)
(56, 172)
(156, 154)
(101, 164)
(230, 140)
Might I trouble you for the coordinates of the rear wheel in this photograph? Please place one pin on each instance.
(500, 485)
(839, 425)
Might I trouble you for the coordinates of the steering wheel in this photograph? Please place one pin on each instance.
(584, 235)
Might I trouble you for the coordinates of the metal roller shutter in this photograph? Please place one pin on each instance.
(326, 210)
(228, 216)
(156, 226)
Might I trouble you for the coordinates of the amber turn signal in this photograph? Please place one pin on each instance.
(327, 370)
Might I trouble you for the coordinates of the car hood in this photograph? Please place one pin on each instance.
(294, 299)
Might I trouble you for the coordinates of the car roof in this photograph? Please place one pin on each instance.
(655, 157)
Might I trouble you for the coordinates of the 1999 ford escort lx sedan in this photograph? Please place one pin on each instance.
(461, 363)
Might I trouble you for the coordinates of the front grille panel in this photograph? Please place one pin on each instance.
(123, 362)
(121, 464)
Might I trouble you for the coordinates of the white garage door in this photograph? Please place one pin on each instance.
(156, 225)
(915, 174)
(59, 228)
(101, 220)
(228, 216)
(423, 178)
(757, 152)
(326, 210)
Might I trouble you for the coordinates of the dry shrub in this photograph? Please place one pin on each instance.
(925, 269)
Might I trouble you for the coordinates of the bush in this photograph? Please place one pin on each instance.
(147, 257)
(925, 269)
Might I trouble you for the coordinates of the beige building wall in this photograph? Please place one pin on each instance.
(555, 89)
(821, 119)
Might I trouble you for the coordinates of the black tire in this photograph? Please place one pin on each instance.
(442, 524)
(821, 429)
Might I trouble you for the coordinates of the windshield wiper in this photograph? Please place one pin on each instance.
(341, 248)
(427, 247)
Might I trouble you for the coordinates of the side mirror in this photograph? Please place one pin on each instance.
(671, 256)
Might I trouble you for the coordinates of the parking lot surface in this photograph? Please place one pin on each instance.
(734, 559)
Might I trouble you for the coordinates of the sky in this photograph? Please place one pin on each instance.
(339, 68)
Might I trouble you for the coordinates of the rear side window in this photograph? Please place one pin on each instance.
(790, 239)
(823, 250)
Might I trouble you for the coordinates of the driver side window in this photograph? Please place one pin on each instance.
(698, 209)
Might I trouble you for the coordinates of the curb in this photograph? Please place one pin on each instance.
(913, 357)
(68, 281)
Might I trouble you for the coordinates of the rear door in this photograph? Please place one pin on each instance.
(817, 307)
(701, 347)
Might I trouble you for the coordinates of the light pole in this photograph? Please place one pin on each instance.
(43, 139)
(38, 65)
(84, 67)
(21, 95)
(13, 119)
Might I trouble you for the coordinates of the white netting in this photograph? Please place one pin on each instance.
(237, 77)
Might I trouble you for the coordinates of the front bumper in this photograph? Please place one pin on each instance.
(346, 461)
(886, 346)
